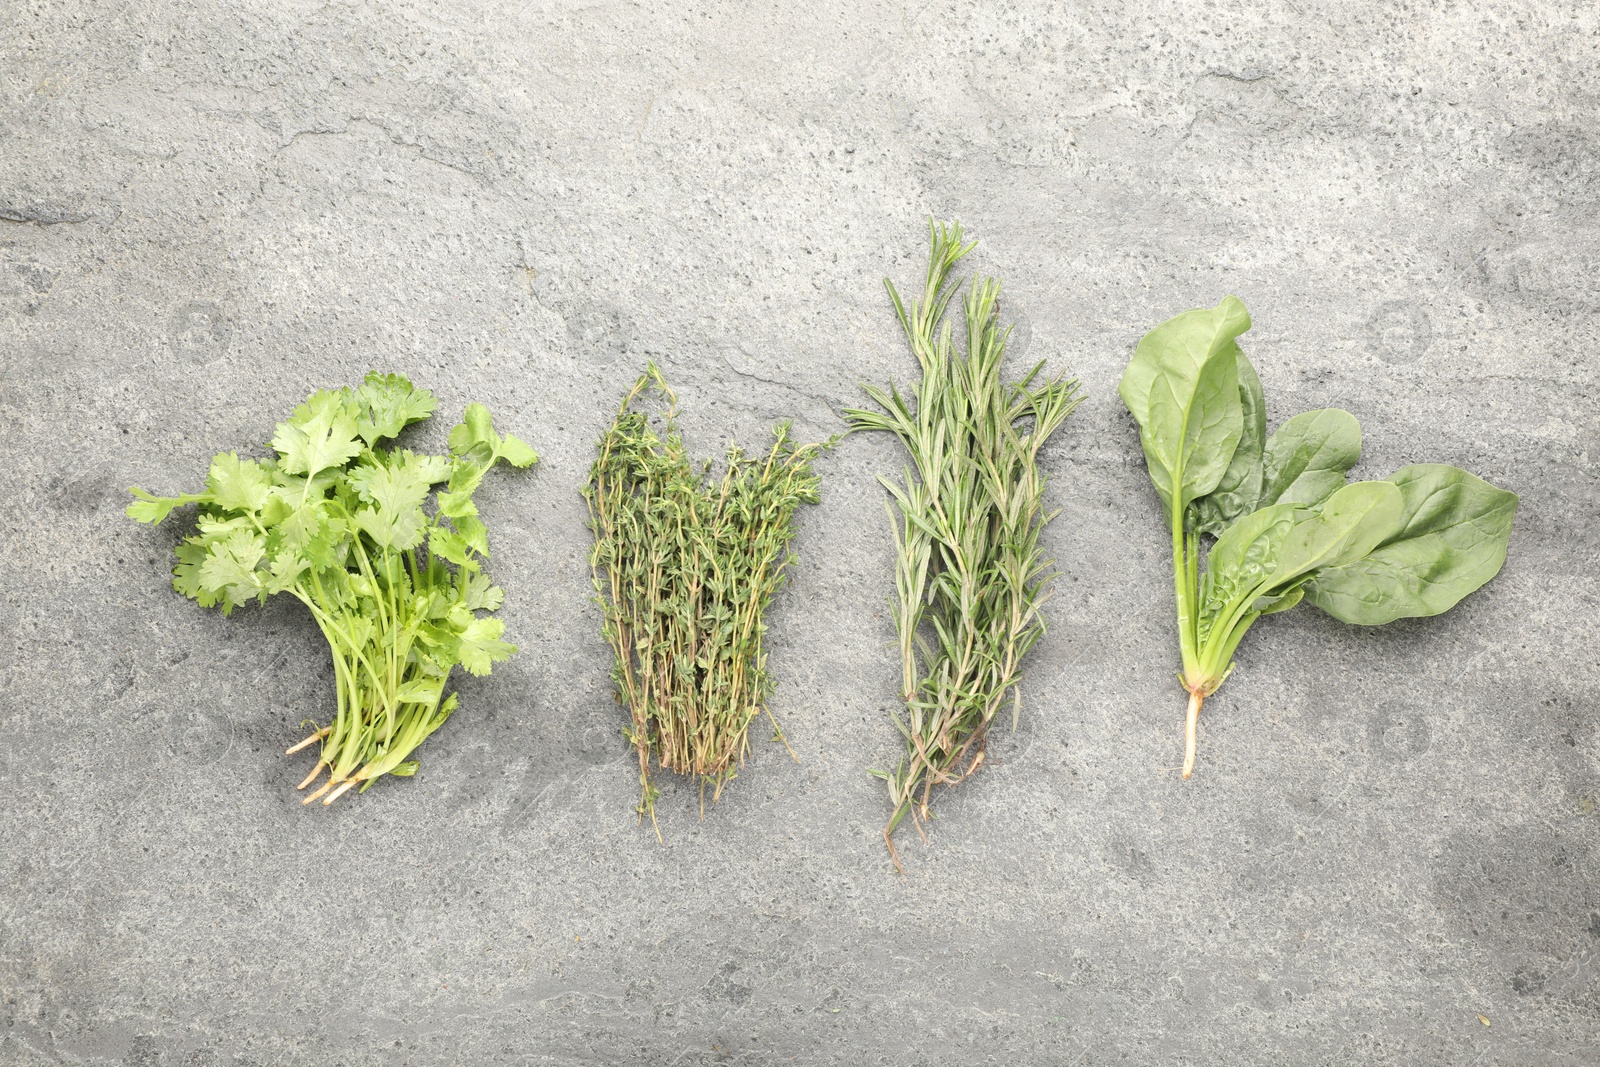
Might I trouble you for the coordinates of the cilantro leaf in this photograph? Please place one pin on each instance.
(389, 403)
(392, 529)
(515, 451)
(152, 509)
(446, 544)
(481, 646)
(229, 569)
(186, 575)
(236, 484)
(474, 437)
(320, 434)
(395, 486)
(477, 591)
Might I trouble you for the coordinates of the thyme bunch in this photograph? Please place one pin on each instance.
(684, 567)
(970, 576)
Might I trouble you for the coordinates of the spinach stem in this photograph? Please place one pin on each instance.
(1183, 572)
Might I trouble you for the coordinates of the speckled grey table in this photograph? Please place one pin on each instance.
(1389, 854)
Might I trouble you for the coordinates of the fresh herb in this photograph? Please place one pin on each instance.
(338, 523)
(1286, 525)
(970, 576)
(684, 567)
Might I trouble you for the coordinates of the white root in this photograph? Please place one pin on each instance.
(313, 739)
(1196, 698)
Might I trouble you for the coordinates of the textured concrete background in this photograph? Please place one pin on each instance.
(211, 210)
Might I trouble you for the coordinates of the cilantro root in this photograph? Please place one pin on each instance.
(339, 523)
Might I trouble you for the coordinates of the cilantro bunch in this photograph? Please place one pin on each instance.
(339, 523)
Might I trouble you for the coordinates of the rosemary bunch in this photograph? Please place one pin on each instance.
(969, 574)
(684, 567)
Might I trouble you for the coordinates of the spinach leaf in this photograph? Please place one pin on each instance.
(1452, 539)
(1345, 527)
(1183, 388)
(1307, 458)
(1243, 565)
(1240, 489)
(1270, 552)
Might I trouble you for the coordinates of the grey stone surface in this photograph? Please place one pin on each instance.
(1389, 852)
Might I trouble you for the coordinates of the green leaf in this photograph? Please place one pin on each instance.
(478, 592)
(473, 533)
(286, 569)
(457, 505)
(966, 518)
(516, 452)
(1271, 552)
(309, 531)
(1307, 458)
(404, 769)
(238, 484)
(474, 437)
(397, 530)
(186, 578)
(1348, 525)
(1271, 604)
(396, 486)
(229, 569)
(1453, 539)
(448, 545)
(320, 434)
(1182, 387)
(388, 403)
(150, 508)
(1243, 564)
(1240, 489)
(481, 646)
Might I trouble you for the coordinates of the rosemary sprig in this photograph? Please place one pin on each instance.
(684, 567)
(969, 574)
